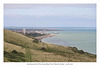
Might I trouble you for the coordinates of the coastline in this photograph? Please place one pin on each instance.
(72, 48)
(68, 40)
(52, 52)
(41, 37)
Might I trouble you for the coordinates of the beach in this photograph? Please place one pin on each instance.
(41, 37)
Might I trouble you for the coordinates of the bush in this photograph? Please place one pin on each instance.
(43, 48)
(36, 40)
(76, 50)
(15, 56)
(81, 51)
(73, 49)
(34, 34)
(14, 52)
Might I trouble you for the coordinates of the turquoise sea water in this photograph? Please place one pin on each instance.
(82, 38)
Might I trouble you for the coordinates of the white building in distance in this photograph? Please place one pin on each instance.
(24, 30)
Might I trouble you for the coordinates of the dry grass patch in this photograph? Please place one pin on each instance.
(10, 47)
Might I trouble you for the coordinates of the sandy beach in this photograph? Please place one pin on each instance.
(41, 37)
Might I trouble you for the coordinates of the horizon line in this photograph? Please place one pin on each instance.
(49, 27)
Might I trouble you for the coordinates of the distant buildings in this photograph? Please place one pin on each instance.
(55, 32)
(24, 30)
(27, 31)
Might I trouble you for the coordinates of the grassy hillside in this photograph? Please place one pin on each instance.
(19, 48)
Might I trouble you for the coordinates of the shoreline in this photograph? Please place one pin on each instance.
(72, 47)
(69, 46)
(45, 36)
(75, 48)
(51, 35)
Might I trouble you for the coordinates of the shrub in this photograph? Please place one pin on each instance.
(15, 56)
(36, 40)
(81, 51)
(76, 50)
(73, 49)
(43, 48)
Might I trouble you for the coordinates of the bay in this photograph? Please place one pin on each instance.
(82, 38)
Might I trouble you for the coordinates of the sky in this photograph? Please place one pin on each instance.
(50, 15)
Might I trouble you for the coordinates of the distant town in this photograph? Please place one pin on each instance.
(40, 31)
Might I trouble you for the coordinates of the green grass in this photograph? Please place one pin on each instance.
(17, 39)
(15, 56)
(28, 55)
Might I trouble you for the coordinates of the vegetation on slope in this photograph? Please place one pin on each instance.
(41, 52)
(34, 34)
(15, 56)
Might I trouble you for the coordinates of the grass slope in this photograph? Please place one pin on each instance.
(40, 52)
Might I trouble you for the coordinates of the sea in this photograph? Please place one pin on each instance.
(82, 38)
